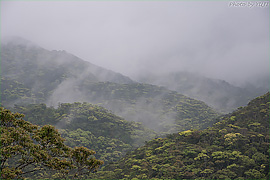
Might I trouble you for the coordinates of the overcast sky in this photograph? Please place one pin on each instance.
(213, 38)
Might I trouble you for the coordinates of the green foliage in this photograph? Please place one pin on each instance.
(27, 149)
(236, 147)
(34, 75)
(107, 149)
(14, 92)
(91, 126)
(156, 107)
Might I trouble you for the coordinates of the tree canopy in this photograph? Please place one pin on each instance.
(28, 149)
(236, 147)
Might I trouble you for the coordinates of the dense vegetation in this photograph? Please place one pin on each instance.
(91, 126)
(236, 147)
(54, 88)
(14, 92)
(31, 151)
(156, 107)
(34, 75)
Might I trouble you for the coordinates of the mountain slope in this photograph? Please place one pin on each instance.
(236, 147)
(41, 70)
(19, 55)
(53, 77)
(91, 126)
(156, 107)
(218, 94)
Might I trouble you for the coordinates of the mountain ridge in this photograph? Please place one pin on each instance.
(40, 76)
(20, 47)
(217, 93)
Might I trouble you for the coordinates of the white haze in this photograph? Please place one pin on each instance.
(207, 37)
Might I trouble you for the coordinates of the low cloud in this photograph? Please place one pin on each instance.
(211, 38)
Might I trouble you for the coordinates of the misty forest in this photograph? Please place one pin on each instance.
(64, 117)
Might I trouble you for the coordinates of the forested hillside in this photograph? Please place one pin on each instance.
(42, 71)
(219, 94)
(91, 126)
(104, 111)
(236, 147)
(34, 75)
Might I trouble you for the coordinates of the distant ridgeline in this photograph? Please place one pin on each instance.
(236, 147)
(219, 94)
(33, 75)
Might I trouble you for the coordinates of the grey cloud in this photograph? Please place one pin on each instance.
(206, 37)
